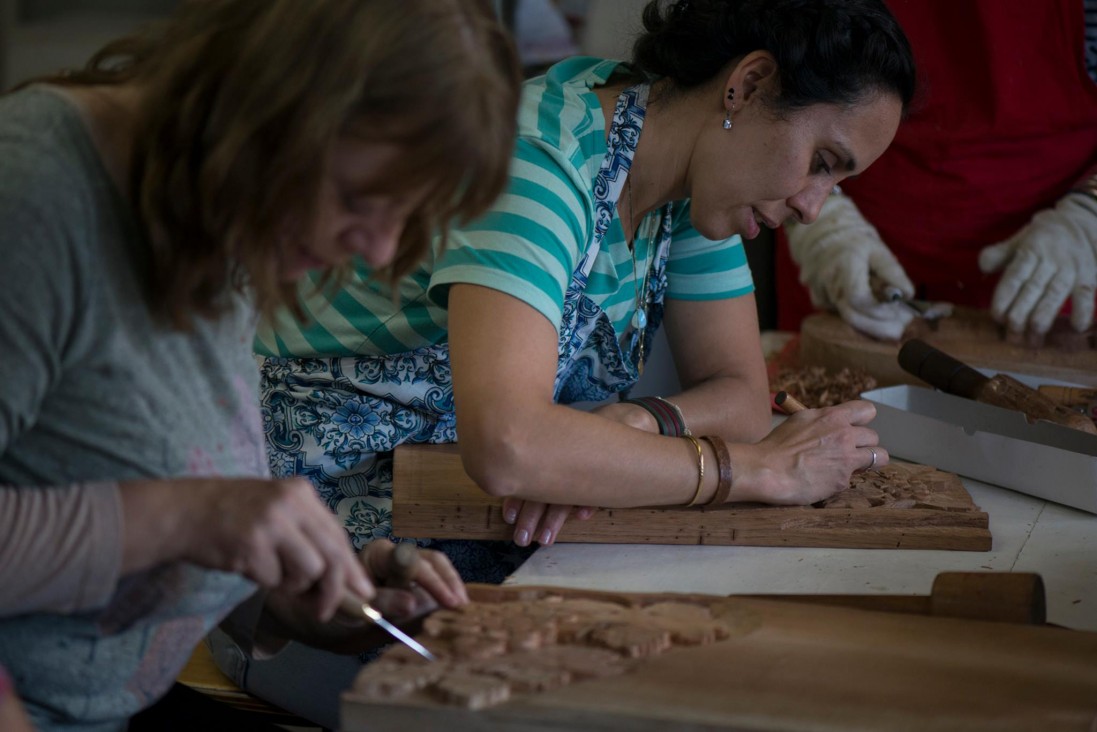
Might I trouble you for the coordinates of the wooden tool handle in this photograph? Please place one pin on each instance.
(955, 377)
(1004, 597)
(940, 369)
(788, 403)
(1007, 597)
(1005, 391)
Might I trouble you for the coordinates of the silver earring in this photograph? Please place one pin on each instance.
(727, 120)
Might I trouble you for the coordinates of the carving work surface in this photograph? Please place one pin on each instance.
(490, 652)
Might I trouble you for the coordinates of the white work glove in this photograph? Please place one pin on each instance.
(1049, 260)
(838, 254)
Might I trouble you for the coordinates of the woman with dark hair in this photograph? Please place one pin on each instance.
(630, 188)
(149, 204)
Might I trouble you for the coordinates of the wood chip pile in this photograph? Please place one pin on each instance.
(816, 387)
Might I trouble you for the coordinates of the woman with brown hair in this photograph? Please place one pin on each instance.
(149, 205)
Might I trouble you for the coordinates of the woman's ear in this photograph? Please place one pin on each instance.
(754, 72)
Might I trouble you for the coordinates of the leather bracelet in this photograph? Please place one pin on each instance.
(667, 415)
(700, 469)
(723, 465)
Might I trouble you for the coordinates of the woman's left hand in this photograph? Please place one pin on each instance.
(432, 572)
(433, 581)
(1047, 262)
(540, 522)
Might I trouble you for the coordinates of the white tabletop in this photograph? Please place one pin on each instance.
(1029, 535)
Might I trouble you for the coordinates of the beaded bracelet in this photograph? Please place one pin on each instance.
(667, 415)
(723, 465)
(700, 469)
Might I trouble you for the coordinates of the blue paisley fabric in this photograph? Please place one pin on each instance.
(336, 421)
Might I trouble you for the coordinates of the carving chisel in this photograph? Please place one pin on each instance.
(886, 292)
(353, 607)
(952, 376)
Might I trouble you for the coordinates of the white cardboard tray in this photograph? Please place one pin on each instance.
(987, 443)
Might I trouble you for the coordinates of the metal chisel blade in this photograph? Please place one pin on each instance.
(370, 612)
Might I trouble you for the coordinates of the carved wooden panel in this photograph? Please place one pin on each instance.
(490, 652)
(547, 659)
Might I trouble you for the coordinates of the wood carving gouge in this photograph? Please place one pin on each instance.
(401, 570)
(357, 608)
(887, 292)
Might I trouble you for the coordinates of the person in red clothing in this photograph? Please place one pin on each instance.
(988, 195)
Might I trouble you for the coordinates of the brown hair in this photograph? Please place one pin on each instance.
(243, 99)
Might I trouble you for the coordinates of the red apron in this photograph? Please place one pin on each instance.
(1004, 125)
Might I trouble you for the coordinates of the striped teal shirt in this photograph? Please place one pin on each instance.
(527, 246)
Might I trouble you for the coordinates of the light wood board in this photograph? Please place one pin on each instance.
(969, 335)
(797, 667)
(433, 497)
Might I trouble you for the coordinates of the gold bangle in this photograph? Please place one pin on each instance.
(700, 469)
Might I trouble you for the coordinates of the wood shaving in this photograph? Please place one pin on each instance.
(816, 387)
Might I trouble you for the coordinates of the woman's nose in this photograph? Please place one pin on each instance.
(807, 203)
(376, 244)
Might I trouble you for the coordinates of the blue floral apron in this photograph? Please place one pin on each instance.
(337, 420)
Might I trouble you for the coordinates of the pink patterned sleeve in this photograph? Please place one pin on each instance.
(60, 548)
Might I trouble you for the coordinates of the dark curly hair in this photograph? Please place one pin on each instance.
(827, 51)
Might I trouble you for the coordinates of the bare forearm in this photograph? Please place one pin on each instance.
(556, 454)
(718, 357)
(580, 459)
(734, 408)
(515, 442)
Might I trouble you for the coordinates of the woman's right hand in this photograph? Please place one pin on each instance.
(809, 457)
(275, 532)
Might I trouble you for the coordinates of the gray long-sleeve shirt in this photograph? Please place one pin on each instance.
(93, 391)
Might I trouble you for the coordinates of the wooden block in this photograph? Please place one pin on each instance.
(782, 666)
(968, 335)
(921, 508)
